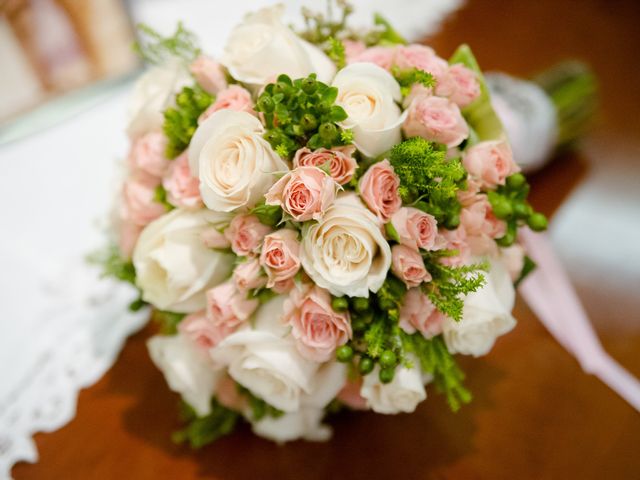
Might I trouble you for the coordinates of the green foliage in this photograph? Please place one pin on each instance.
(321, 28)
(528, 267)
(181, 121)
(299, 113)
(336, 52)
(155, 48)
(376, 337)
(259, 408)
(201, 431)
(388, 35)
(428, 179)
(451, 283)
(573, 88)
(270, 215)
(408, 77)
(113, 264)
(160, 196)
(168, 321)
(480, 115)
(262, 294)
(434, 358)
(379, 335)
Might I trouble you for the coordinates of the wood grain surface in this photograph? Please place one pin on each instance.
(535, 414)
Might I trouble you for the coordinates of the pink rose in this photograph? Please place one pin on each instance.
(212, 238)
(416, 228)
(490, 162)
(381, 56)
(139, 205)
(423, 58)
(456, 240)
(353, 48)
(129, 233)
(407, 264)
(232, 98)
(209, 74)
(466, 87)
(418, 313)
(183, 189)
(436, 119)
(280, 256)
(228, 308)
(340, 161)
(248, 275)
(245, 232)
(148, 154)
(477, 218)
(350, 395)
(201, 330)
(379, 190)
(317, 328)
(304, 193)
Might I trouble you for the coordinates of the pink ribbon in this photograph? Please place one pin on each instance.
(549, 293)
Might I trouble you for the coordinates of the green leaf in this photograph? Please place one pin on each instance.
(391, 231)
(389, 34)
(270, 215)
(201, 431)
(528, 267)
(480, 114)
(168, 321)
(113, 264)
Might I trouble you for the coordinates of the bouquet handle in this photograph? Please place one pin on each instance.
(549, 293)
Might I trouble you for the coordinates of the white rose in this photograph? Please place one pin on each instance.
(306, 423)
(262, 47)
(345, 252)
(234, 163)
(403, 394)
(187, 371)
(369, 94)
(262, 360)
(153, 93)
(173, 266)
(486, 315)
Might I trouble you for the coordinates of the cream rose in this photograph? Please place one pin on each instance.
(403, 394)
(153, 93)
(346, 252)
(266, 361)
(263, 47)
(187, 370)
(306, 422)
(234, 163)
(173, 266)
(486, 315)
(369, 94)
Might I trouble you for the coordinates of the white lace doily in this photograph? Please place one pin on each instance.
(61, 327)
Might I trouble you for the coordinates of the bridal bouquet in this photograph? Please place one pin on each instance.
(319, 220)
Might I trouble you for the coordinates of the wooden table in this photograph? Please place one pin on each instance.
(535, 414)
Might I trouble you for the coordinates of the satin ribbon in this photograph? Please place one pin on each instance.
(549, 293)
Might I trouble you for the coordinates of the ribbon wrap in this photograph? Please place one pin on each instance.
(549, 293)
